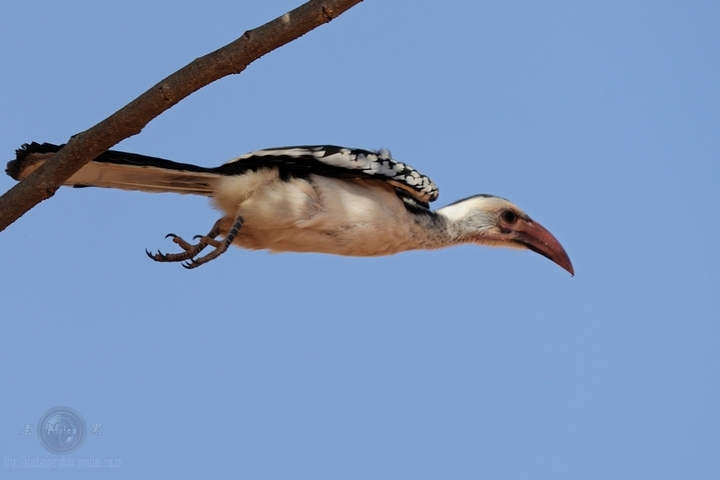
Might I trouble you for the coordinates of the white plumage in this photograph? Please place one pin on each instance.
(323, 199)
(322, 214)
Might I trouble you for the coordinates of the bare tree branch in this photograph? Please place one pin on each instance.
(130, 120)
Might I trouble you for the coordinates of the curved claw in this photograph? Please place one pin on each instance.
(189, 265)
(158, 257)
(197, 236)
(170, 235)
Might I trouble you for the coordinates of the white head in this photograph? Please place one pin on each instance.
(494, 221)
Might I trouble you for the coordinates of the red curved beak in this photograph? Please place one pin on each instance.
(538, 239)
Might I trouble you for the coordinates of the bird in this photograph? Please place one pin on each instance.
(315, 198)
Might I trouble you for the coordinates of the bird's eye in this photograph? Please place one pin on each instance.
(508, 216)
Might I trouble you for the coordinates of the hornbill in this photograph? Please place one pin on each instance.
(325, 199)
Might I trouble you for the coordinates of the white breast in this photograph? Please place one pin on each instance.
(319, 214)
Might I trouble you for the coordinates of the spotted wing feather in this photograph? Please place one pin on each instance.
(340, 162)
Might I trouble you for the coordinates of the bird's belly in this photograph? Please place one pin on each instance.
(324, 215)
(354, 242)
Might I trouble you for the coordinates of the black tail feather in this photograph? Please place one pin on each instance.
(114, 169)
(15, 166)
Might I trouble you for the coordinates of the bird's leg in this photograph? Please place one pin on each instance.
(190, 250)
(220, 247)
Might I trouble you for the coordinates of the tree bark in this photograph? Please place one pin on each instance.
(130, 120)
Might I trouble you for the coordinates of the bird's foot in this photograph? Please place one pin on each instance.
(191, 251)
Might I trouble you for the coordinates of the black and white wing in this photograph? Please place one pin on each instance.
(340, 162)
(131, 171)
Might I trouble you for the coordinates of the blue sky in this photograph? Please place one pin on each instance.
(600, 119)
